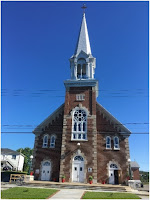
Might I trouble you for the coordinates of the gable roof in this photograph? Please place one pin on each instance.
(134, 164)
(49, 119)
(109, 117)
(6, 151)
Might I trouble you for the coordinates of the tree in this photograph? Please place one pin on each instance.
(27, 152)
(144, 177)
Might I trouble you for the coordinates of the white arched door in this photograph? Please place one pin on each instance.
(78, 169)
(113, 174)
(46, 171)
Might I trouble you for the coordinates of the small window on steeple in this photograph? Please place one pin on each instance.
(79, 71)
(80, 97)
(83, 71)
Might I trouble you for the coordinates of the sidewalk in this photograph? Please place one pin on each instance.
(5, 186)
(68, 194)
(76, 193)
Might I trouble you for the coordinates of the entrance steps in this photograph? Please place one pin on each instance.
(83, 186)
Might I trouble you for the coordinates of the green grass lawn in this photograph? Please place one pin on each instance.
(27, 193)
(109, 195)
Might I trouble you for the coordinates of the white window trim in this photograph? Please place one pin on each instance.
(80, 97)
(79, 132)
(14, 157)
(51, 146)
(110, 142)
(76, 139)
(45, 146)
(116, 148)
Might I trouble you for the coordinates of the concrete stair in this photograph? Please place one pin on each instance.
(99, 187)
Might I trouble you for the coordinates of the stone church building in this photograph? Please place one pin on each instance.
(81, 138)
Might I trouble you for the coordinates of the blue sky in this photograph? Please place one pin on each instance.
(38, 38)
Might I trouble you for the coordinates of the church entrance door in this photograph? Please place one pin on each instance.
(78, 169)
(46, 171)
(116, 176)
(113, 174)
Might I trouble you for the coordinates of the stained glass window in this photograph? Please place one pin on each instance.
(52, 142)
(116, 142)
(79, 158)
(45, 141)
(79, 121)
(108, 142)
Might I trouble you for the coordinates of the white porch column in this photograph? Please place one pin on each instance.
(75, 71)
(87, 70)
(91, 70)
(72, 72)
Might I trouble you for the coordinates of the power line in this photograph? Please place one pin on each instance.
(44, 91)
(3, 132)
(27, 125)
(47, 90)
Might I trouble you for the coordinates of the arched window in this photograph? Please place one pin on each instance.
(116, 142)
(79, 125)
(46, 163)
(84, 71)
(45, 141)
(52, 141)
(108, 142)
(81, 69)
(79, 158)
(114, 166)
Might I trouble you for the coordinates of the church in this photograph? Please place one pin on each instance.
(81, 138)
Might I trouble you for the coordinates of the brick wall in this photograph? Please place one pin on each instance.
(106, 155)
(52, 154)
(87, 148)
(136, 174)
(89, 103)
(94, 151)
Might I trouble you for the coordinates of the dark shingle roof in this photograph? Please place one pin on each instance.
(7, 151)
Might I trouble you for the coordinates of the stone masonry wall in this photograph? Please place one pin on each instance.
(88, 149)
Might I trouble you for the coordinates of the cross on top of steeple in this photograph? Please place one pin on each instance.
(84, 7)
(83, 42)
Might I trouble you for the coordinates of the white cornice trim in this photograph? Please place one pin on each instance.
(51, 117)
(82, 83)
(109, 116)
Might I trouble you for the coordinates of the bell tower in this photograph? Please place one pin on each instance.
(79, 125)
(82, 63)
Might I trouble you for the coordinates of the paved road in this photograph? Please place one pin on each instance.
(145, 188)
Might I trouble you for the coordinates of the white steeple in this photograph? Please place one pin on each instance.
(83, 43)
(82, 63)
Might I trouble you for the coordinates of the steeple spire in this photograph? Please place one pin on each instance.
(82, 63)
(83, 43)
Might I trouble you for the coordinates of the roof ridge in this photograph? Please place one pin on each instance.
(38, 128)
(117, 123)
